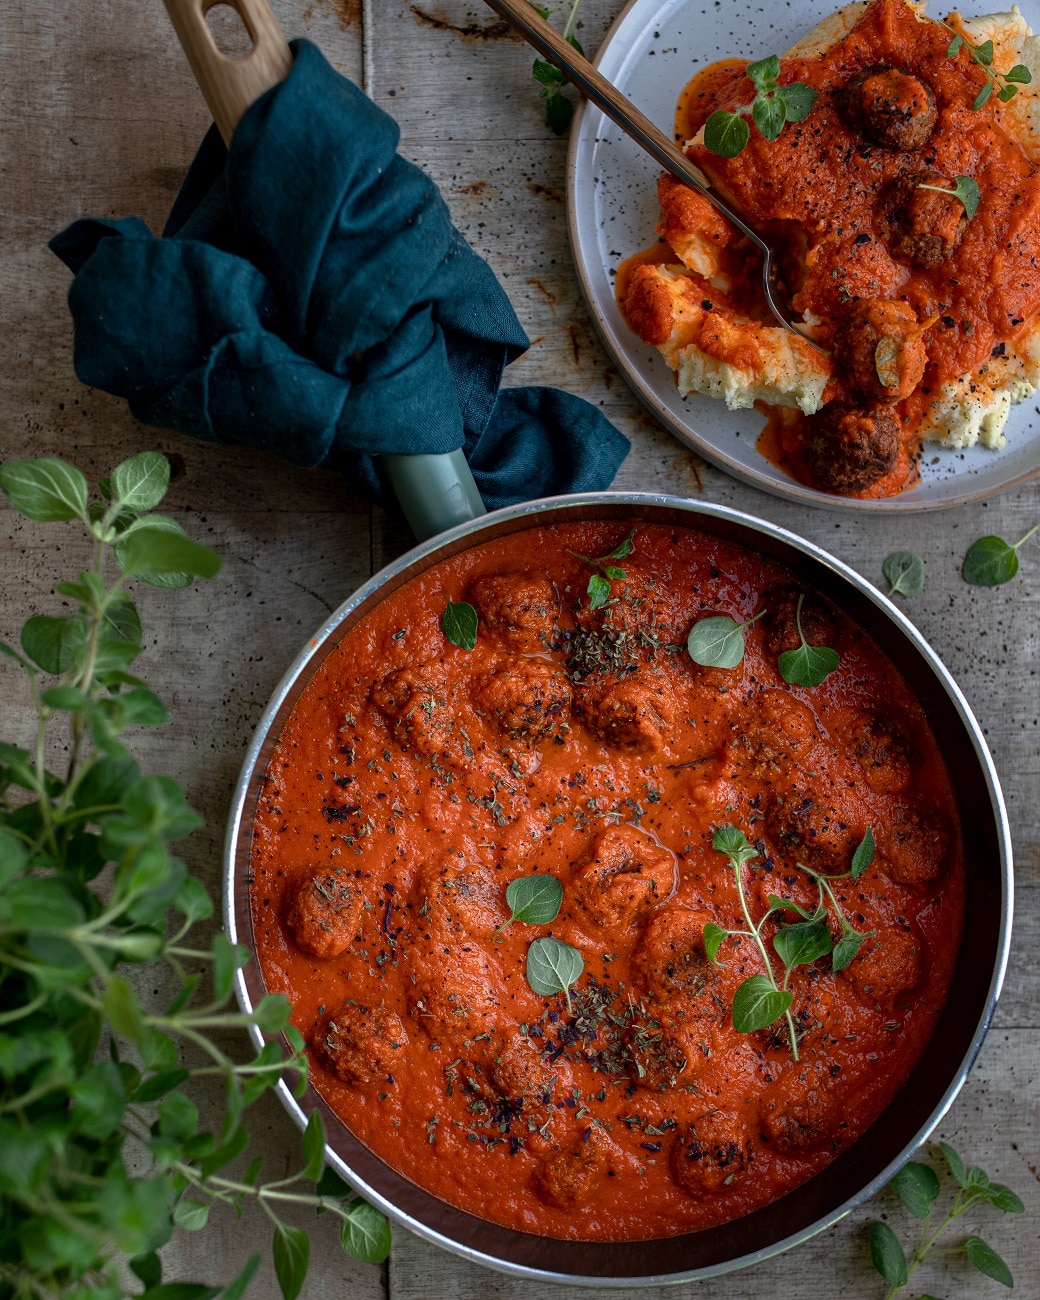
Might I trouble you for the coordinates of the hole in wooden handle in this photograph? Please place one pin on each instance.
(228, 28)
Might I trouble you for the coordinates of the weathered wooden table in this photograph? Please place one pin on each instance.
(101, 116)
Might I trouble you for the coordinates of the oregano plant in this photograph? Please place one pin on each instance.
(726, 134)
(918, 1187)
(103, 1155)
(606, 572)
(764, 998)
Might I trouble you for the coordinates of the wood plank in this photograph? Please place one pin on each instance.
(100, 116)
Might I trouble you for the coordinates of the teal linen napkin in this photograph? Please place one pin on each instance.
(310, 296)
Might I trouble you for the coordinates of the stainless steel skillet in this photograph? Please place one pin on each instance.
(863, 1169)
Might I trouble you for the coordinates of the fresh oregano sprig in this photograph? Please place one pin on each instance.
(559, 109)
(918, 1187)
(1004, 83)
(102, 1153)
(598, 590)
(762, 998)
(726, 134)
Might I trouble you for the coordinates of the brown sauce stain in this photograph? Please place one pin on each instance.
(546, 293)
(692, 465)
(494, 31)
(550, 192)
(476, 189)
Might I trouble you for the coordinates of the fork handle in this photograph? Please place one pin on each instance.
(618, 107)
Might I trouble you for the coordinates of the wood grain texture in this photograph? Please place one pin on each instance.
(100, 115)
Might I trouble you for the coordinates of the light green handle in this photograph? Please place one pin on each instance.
(436, 492)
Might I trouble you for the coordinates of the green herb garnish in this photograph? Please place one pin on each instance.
(726, 134)
(1004, 83)
(553, 966)
(459, 624)
(598, 590)
(534, 900)
(886, 361)
(558, 108)
(904, 572)
(104, 1156)
(965, 188)
(718, 641)
(918, 1188)
(990, 561)
(762, 999)
(809, 665)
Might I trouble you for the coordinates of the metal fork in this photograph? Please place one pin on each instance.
(595, 87)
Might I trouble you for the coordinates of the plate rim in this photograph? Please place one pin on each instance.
(787, 488)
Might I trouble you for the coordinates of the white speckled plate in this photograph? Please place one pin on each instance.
(651, 52)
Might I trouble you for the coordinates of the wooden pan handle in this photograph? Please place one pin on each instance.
(230, 85)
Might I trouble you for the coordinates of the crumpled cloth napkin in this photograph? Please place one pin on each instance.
(310, 296)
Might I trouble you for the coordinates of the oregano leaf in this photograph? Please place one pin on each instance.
(714, 937)
(365, 1232)
(534, 900)
(904, 572)
(990, 561)
(917, 1186)
(778, 904)
(887, 1255)
(955, 1163)
(757, 1003)
(846, 949)
(598, 591)
(716, 642)
(623, 549)
(292, 1251)
(726, 134)
(808, 665)
(142, 481)
(764, 73)
(1004, 1199)
(553, 966)
(803, 942)
(769, 114)
(314, 1147)
(734, 843)
(987, 1261)
(459, 624)
(798, 100)
(46, 489)
(54, 644)
(886, 361)
(864, 854)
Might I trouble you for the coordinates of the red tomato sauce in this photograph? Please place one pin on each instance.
(414, 780)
